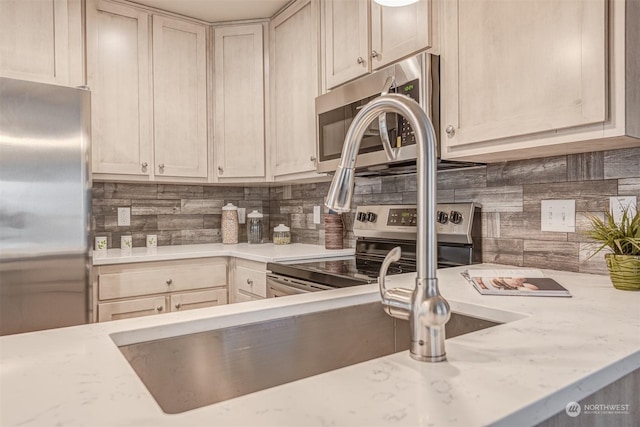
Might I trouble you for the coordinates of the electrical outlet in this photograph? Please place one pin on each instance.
(618, 204)
(558, 215)
(242, 215)
(124, 217)
(316, 214)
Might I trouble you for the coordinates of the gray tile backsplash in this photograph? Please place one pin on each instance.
(510, 194)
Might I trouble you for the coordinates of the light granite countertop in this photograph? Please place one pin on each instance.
(266, 252)
(550, 352)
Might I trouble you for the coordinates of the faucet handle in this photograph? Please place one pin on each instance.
(393, 256)
(396, 302)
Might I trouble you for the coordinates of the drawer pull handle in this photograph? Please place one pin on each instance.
(169, 281)
(249, 282)
(159, 308)
(178, 305)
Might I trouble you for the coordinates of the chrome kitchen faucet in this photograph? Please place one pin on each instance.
(424, 307)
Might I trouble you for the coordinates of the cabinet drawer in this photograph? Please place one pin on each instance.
(242, 297)
(160, 280)
(251, 281)
(128, 309)
(199, 299)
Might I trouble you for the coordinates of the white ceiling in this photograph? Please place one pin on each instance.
(219, 10)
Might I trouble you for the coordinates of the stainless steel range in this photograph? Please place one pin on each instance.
(378, 229)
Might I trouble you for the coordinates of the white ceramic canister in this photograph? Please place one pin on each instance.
(229, 224)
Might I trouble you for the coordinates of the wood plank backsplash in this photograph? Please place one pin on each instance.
(510, 194)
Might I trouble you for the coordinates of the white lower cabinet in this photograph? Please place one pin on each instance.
(141, 289)
(248, 280)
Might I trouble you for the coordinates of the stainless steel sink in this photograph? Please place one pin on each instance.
(190, 371)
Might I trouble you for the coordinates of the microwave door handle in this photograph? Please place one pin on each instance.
(392, 153)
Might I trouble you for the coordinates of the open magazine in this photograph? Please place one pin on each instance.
(521, 282)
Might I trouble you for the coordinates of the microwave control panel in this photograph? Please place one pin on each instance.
(406, 136)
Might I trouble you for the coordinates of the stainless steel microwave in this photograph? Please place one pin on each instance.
(416, 77)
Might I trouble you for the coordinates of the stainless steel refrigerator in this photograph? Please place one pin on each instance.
(45, 206)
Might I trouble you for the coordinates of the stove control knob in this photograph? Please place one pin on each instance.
(362, 217)
(455, 217)
(371, 217)
(442, 217)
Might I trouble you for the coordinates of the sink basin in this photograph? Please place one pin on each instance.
(191, 371)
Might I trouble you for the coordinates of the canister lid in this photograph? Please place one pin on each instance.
(281, 228)
(229, 207)
(255, 214)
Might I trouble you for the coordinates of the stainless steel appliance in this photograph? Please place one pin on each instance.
(379, 229)
(45, 205)
(417, 77)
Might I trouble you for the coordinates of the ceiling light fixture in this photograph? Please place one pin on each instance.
(395, 3)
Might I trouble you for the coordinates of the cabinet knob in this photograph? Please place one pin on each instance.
(360, 60)
(144, 165)
(159, 308)
(450, 131)
(312, 158)
(221, 170)
(178, 306)
(161, 167)
(374, 54)
(249, 282)
(169, 281)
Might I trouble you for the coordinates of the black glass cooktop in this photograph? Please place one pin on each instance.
(339, 273)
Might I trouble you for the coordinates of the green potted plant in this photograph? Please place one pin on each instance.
(623, 239)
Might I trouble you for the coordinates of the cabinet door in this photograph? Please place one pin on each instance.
(397, 32)
(118, 75)
(41, 41)
(132, 308)
(239, 102)
(294, 87)
(179, 98)
(517, 68)
(201, 299)
(346, 32)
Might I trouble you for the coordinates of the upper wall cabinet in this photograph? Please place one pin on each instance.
(294, 87)
(179, 98)
(118, 74)
(239, 133)
(42, 41)
(529, 78)
(395, 32)
(149, 94)
(398, 31)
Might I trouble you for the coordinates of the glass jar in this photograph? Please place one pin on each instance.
(281, 235)
(229, 224)
(254, 227)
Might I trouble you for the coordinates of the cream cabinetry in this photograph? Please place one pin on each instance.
(141, 289)
(42, 41)
(394, 32)
(530, 78)
(239, 123)
(147, 74)
(179, 98)
(397, 32)
(294, 87)
(248, 280)
(118, 70)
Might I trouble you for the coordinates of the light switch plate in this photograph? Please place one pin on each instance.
(316, 214)
(242, 215)
(558, 215)
(124, 217)
(618, 204)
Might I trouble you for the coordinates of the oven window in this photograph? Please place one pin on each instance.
(333, 126)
